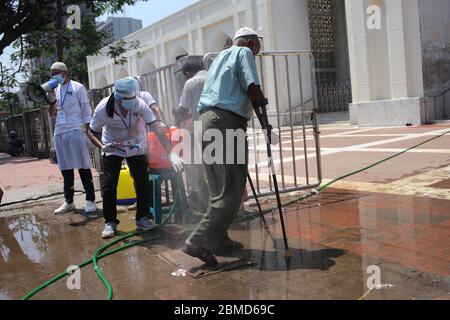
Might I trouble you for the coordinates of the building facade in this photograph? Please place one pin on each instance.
(391, 75)
(118, 27)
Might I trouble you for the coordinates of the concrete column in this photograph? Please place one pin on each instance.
(396, 45)
(379, 64)
(358, 52)
(91, 79)
(132, 65)
(163, 56)
(110, 73)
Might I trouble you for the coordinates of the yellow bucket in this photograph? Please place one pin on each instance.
(125, 188)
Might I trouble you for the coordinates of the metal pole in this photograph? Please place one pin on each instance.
(266, 227)
(287, 252)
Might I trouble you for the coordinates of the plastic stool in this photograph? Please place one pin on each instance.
(157, 209)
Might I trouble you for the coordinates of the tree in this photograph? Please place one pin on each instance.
(20, 17)
(31, 28)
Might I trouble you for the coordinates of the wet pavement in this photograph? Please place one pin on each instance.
(391, 218)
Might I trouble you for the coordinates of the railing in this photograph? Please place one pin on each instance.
(334, 96)
(164, 86)
(33, 127)
(437, 104)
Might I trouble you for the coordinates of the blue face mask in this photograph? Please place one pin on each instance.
(60, 78)
(129, 104)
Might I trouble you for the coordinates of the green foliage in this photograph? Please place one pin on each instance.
(117, 50)
(29, 26)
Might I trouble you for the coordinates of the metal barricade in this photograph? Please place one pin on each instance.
(4, 135)
(32, 127)
(162, 83)
(288, 80)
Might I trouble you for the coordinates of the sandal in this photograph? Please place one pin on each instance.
(201, 253)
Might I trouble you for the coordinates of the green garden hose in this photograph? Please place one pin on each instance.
(303, 197)
(99, 253)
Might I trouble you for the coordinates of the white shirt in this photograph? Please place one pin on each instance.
(147, 97)
(149, 100)
(73, 106)
(119, 129)
(192, 91)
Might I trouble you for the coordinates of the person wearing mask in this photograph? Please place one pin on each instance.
(117, 119)
(72, 110)
(231, 85)
(151, 103)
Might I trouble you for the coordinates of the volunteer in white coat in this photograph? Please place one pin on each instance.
(73, 112)
(118, 119)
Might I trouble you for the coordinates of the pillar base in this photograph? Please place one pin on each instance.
(383, 113)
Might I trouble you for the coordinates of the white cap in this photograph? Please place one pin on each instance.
(58, 66)
(245, 32)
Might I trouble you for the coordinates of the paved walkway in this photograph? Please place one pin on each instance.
(394, 218)
(30, 178)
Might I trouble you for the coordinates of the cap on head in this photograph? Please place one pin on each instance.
(245, 32)
(125, 88)
(59, 66)
(191, 64)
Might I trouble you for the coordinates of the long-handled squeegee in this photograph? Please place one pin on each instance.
(262, 115)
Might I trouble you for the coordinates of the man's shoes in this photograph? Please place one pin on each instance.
(66, 207)
(201, 253)
(110, 230)
(144, 224)
(133, 207)
(90, 208)
(230, 246)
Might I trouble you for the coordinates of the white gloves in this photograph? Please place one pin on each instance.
(177, 162)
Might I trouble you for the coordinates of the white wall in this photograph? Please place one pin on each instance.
(386, 64)
(204, 27)
(288, 30)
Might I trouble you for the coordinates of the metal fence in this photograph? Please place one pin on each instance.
(334, 97)
(33, 127)
(165, 87)
(437, 104)
(288, 80)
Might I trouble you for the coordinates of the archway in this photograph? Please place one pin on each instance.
(122, 74)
